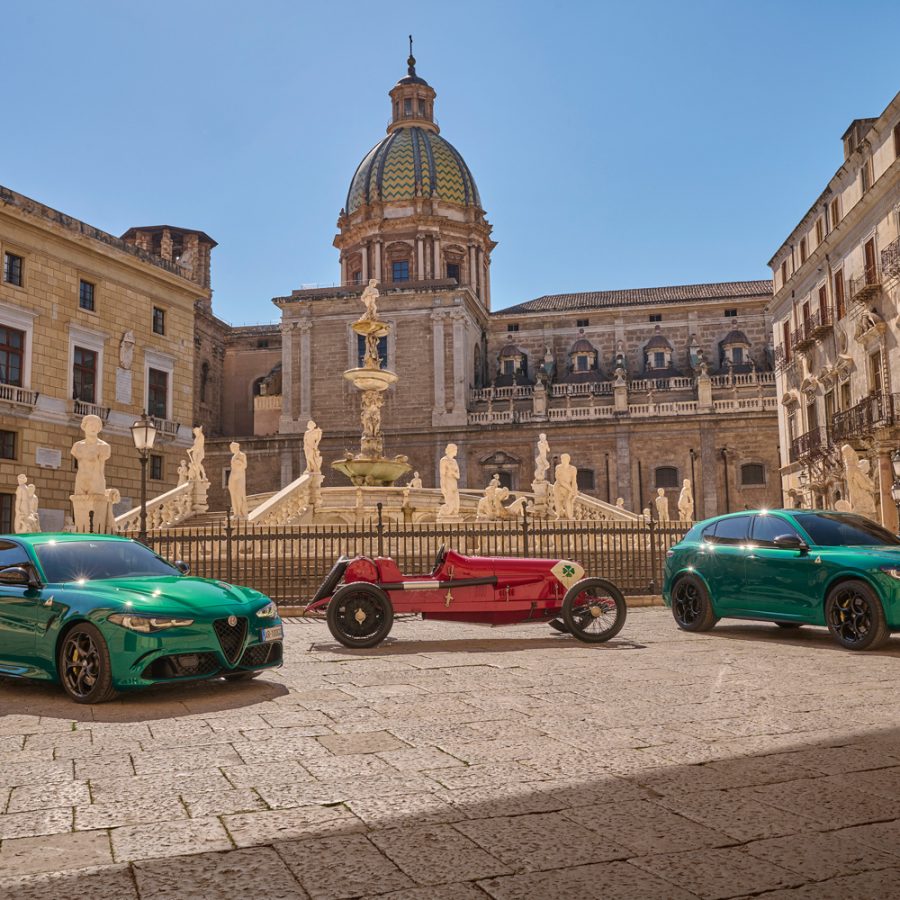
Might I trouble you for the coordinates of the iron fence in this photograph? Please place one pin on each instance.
(289, 562)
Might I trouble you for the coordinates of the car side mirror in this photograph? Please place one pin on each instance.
(15, 575)
(183, 567)
(791, 542)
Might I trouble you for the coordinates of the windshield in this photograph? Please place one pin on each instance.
(844, 530)
(93, 560)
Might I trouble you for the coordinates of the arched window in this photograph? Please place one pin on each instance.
(257, 385)
(666, 477)
(753, 474)
(204, 380)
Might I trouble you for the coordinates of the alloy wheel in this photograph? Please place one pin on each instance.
(81, 664)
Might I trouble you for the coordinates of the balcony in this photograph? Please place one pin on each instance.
(82, 408)
(18, 396)
(858, 422)
(165, 428)
(812, 329)
(865, 286)
(890, 259)
(810, 445)
(783, 359)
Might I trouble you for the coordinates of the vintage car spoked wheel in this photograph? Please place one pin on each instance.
(691, 605)
(594, 610)
(854, 616)
(360, 615)
(84, 665)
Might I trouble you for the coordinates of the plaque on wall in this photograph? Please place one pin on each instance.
(47, 458)
(123, 385)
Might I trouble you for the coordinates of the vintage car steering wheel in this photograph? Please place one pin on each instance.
(441, 554)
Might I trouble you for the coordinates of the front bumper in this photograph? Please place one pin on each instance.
(194, 652)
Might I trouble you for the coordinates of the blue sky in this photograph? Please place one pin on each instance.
(614, 144)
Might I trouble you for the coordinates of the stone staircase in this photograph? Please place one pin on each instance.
(216, 519)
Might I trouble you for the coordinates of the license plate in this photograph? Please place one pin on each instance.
(275, 633)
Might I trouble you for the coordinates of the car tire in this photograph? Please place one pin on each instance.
(789, 624)
(594, 610)
(84, 666)
(359, 615)
(691, 605)
(855, 617)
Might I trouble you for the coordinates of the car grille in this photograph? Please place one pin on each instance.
(262, 655)
(183, 665)
(231, 637)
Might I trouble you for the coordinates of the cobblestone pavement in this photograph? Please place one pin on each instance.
(458, 762)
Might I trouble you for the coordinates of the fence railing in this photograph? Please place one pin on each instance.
(289, 562)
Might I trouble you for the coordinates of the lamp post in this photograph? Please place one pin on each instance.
(895, 487)
(143, 432)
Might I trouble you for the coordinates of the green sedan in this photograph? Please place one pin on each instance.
(790, 567)
(103, 614)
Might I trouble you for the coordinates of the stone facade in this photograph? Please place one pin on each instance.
(837, 290)
(80, 312)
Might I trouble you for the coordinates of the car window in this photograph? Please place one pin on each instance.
(732, 531)
(709, 533)
(767, 528)
(695, 534)
(92, 560)
(844, 530)
(12, 555)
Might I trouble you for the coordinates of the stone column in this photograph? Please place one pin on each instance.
(378, 261)
(365, 263)
(420, 257)
(478, 263)
(704, 393)
(473, 271)
(437, 319)
(622, 473)
(343, 269)
(437, 258)
(305, 404)
(487, 283)
(287, 378)
(459, 361)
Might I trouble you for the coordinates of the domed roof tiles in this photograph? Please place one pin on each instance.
(412, 162)
(583, 345)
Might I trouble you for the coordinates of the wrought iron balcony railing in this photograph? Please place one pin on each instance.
(890, 259)
(812, 444)
(813, 327)
(866, 285)
(861, 420)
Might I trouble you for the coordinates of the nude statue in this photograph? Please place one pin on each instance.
(565, 487)
(449, 483)
(196, 454)
(686, 502)
(370, 299)
(860, 487)
(542, 460)
(311, 438)
(91, 454)
(415, 482)
(23, 506)
(33, 520)
(237, 481)
(182, 472)
(662, 505)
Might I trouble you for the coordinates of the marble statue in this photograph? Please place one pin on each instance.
(542, 459)
(860, 487)
(620, 503)
(182, 472)
(237, 481)
(415, 482)
(196, 454)
(662, 505)
(23, 506)
(33, 519)
(126, 350)
(549, 366)
(311, 438)
(108, 526)
(565, 487)
(619, 377)
(89, 501)
(449, 483)
(686, 502)
(370, 299)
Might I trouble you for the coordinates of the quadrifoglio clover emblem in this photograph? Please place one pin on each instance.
(568, 572)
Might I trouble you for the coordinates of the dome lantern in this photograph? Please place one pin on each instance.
(412, 100)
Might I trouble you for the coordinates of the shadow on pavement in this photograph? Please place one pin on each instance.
(807, 636)
(37, 698)
(400, 647)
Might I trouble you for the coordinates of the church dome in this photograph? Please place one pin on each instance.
(410, 162)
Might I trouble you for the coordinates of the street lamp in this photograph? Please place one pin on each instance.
(143, 432)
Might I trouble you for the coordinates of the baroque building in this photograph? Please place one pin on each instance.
(95, 324)
(643, 388)
(837, 290)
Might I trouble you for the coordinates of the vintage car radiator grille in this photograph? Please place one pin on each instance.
(231, 637)
(262, 654)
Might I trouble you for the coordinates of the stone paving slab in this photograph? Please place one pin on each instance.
(454, 762)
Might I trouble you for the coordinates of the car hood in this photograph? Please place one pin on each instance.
(175, 595)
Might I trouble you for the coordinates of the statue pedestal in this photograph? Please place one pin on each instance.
(620, 398)
(82, 507)
(200, 489)
(541, 498)
(704, 394)
(448, 520)
(539, 402)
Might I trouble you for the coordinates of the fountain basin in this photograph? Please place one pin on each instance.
(371, 379)
(372, 471)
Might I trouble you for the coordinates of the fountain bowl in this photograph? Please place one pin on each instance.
(371, 379)
(372, 471)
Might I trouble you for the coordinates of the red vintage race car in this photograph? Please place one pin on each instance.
(361, 596)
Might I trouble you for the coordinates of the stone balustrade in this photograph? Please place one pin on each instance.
(288, 505)
(168, 509)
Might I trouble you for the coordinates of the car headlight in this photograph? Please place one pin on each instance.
(269, 611)
(893, 571)
(148, 624)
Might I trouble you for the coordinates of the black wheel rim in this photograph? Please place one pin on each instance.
(687, 602)
(81, 664)
(850, 616)
(594, 612)
(360, 616)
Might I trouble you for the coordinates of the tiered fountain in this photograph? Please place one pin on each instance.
(370, 467)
